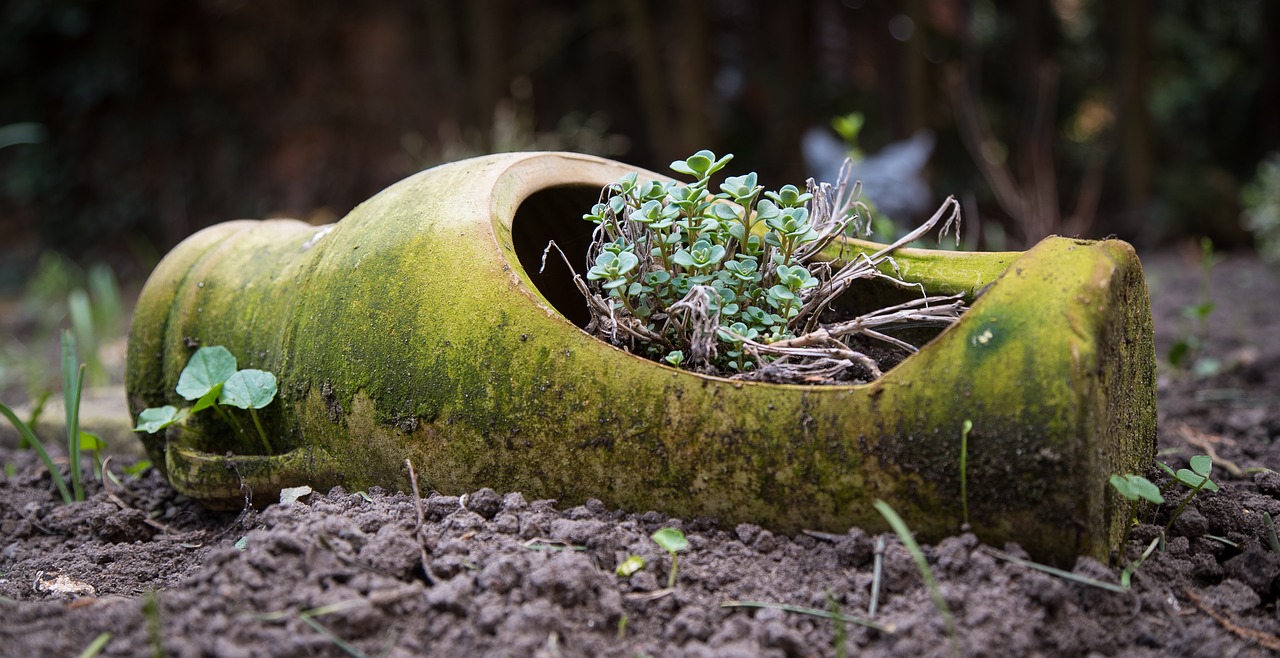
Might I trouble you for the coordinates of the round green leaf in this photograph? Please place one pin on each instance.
(249, 389)
(207, 368)
(1202, 465)
(1143, 488)
(671, 540)
(157, 418)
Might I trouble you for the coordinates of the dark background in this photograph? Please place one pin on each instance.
(138, 122)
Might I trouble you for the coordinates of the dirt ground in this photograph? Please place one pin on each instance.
(341, 573)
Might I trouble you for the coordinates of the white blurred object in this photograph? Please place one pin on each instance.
(892, 178)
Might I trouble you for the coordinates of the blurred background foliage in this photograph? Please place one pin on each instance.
(127, 125)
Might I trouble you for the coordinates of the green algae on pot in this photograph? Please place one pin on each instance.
(419, 327)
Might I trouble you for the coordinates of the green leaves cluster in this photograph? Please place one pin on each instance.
(210, 380)
(1195, 478)
(748, 246)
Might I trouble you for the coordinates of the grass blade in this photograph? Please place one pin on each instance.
(31, 439)
(1052, 571)
(346, 647)
(72, 381)
(96, 646)
(965, 428)
(904, 533)
(814, 612)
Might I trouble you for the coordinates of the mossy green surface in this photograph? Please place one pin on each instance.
(409, 330)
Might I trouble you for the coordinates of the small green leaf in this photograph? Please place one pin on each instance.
(1135, 487)
(138, 468)
(1195, 480)
(157, 418)
(207, 368)
(1202, 464)
(629, 566)
(671, 540)
(90, 442)
(249, 389)
(208, 399)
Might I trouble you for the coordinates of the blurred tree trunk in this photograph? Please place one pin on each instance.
(646, 58)
(692, 78)
(917, 82)
(444, 56)
(1134, 123)
(487, 76)
(1269, 128)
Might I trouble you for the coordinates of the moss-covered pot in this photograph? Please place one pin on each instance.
(419, 328)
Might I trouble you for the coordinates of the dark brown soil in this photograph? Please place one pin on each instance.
(341, 573)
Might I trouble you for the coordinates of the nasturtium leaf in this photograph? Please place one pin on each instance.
(157, 418)
(249, 389)
(671, 540)
(207, 368)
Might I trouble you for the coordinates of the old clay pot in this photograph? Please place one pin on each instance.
(419, 328)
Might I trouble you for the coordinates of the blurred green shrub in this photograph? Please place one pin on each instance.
(1261, 199)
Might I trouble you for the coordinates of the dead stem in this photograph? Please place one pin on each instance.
(417, 533)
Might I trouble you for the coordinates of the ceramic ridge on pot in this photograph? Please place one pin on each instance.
(419, 328)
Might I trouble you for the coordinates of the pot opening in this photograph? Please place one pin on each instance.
(555, 214)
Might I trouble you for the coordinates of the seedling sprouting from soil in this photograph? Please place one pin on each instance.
(1136, 487)
(211, 380)
(630, 566)
(734, 281)
(672, 541)
(1195, 478)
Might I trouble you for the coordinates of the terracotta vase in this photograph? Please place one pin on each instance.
(420, 328)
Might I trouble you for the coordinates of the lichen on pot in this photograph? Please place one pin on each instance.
(424, 329)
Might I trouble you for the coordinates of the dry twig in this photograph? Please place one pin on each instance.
(417, 532)
(1265, 640)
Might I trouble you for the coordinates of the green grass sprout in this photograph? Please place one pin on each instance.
(72, 384)
(31, 440)
(72, 387)
(904, 533)
(965, 428)
(155, 626)
(1271, 532)
(813, 612)
(96, 646)
(877, 574)
(1126, 576)
(1053, 571)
